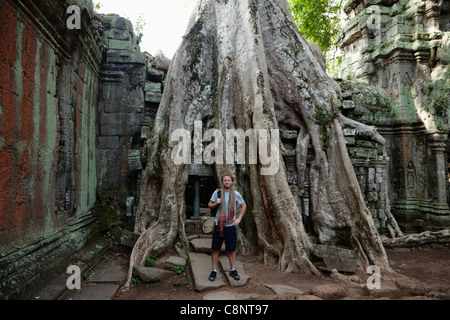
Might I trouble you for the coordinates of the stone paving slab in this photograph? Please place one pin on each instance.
(225, 264)
(201, 268)
(109, 271)
(98, 291)
(103, 285)
(56, 287)
(280, 289)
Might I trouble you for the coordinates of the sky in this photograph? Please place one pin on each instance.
(165, 20)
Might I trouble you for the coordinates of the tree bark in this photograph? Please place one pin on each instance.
(416, 240)
(243, 64)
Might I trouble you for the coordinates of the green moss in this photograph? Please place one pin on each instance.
(323, 118)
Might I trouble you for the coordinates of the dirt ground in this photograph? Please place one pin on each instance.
(427, 269)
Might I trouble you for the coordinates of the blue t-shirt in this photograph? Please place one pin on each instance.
(238, 199)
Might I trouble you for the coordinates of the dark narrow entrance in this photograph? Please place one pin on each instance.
(198, 193)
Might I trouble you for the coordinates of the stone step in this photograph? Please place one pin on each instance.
(200, 266)
(203, 245)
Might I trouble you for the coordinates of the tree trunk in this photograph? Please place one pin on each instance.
(243, 64)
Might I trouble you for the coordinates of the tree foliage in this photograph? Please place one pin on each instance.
(318, 21)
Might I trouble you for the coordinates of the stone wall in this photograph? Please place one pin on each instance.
(48, 122)
(401, 49)
(121, 105)
(132, 83)
(76, 106)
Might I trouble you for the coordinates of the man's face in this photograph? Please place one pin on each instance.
(227, 182)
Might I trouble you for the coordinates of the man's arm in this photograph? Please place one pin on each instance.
(243, 207)
(213, 205)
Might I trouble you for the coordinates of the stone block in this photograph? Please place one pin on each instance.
(155, 75)
(371, 176)
(151, 275)
(174, 261)
(110, 142)
(133, 56)
(289, 134)
(362, 153)
(365, 144)
(380, 176)
(114, 120)
(112, 128)
(380, 204)
(203, 245)
(350, 141)
(112, 91)
(112, 106)
(348, 132)
(134, 160)
(348, 105)
(340, 259)
(382, 214)
(134, 123)
(200, 170)
(371, 196)
(111, 76)
(153, 92)
(128, 238)
(119, 44)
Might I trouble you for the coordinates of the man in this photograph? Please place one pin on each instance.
(225, 224)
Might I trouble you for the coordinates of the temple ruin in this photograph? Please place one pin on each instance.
(77, 106)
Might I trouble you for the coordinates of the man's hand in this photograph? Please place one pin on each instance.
(236, 222)
(241, 214)
(218, 201)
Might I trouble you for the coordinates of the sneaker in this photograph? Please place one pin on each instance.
(234, 275)
(212, 276)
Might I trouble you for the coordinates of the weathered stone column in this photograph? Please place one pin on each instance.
(432, 13)
(197, 198)
(438, 145)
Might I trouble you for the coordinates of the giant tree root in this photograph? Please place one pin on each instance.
(415, 240)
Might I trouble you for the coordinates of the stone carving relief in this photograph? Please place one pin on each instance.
(411, 175)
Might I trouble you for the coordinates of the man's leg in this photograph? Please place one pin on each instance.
(215, 249)
(231, 242)
(232, 259)
(214, 258)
